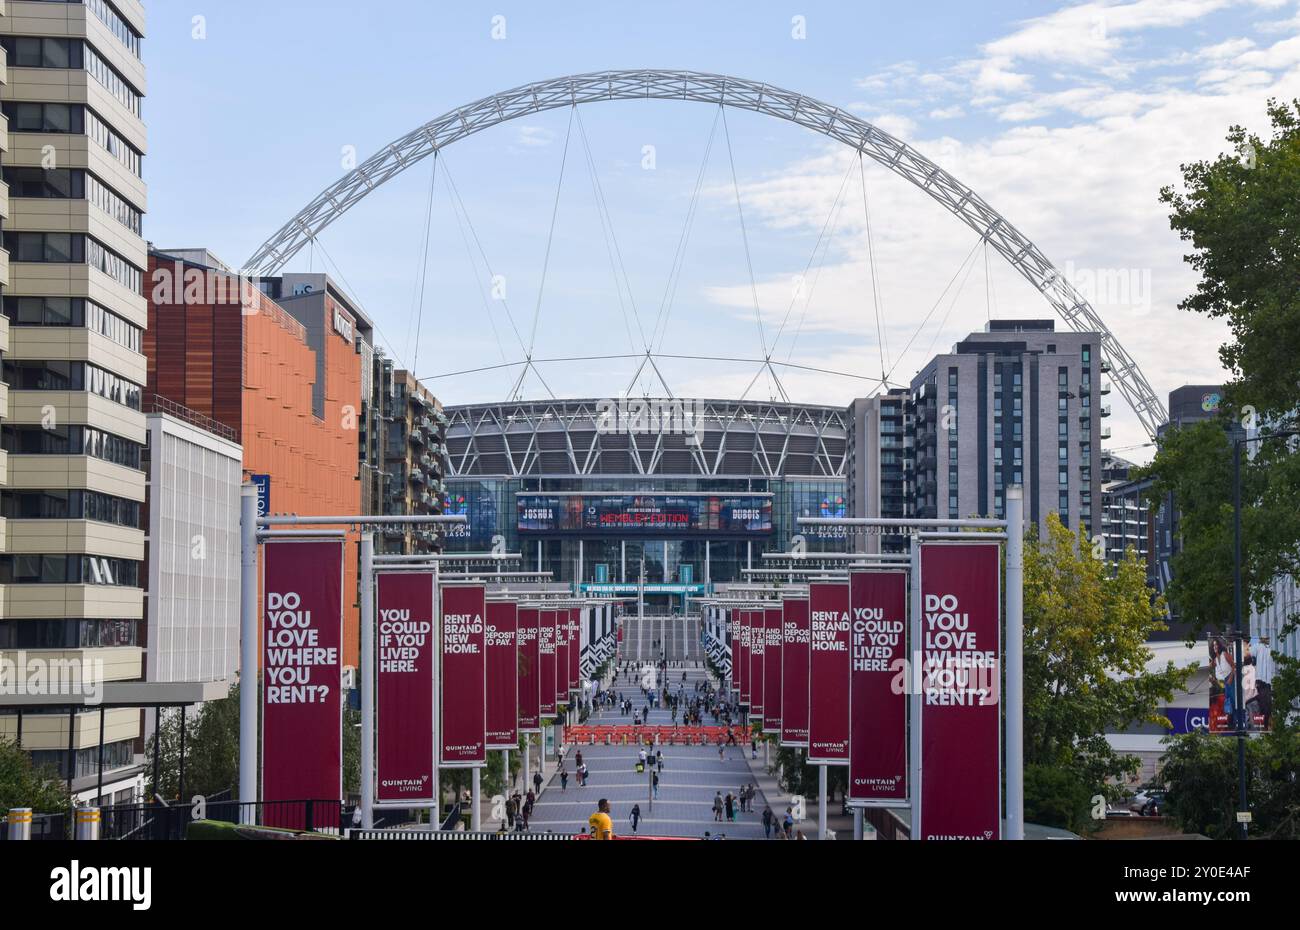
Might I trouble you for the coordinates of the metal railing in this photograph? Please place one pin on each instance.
(468, 835)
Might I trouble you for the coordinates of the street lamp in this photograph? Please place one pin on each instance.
(1239, 439)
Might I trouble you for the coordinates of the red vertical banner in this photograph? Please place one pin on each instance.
(464, 676)
(406, 651)
(772, 670)
(731, 620)
(877, 696)
(742, 657)
(546, 663)
(794, 673)
(828, 673)
(302, 640)
(500, 639)
(958, 638)
(530, 676)
(575, 648)
(757, 652)
(561, 659)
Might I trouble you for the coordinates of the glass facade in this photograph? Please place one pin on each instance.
(619, 557)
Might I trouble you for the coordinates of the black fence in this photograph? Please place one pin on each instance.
(44, 826)
(159, 822)
(416, 835)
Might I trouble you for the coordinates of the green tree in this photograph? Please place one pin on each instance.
(1086, 623)
(23, 784)
(211, 750)
(1241, 214)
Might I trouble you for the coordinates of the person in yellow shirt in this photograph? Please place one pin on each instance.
(600, 824)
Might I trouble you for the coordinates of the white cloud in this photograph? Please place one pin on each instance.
(534, 136)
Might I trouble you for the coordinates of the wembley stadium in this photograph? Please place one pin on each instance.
(662, 496)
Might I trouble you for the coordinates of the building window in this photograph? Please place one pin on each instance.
(54, 375)
(73, 311)
(69, 569)
(70, 440)
(1063, 477)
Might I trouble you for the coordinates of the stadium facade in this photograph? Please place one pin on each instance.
(670, 494)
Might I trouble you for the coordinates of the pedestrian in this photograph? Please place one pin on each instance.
(564, 778)
(537, 783)
(654, 783)
(767, 822)
(600, 823)
(787, 824)
(717, 806)
(659, 759)
(730, 804)
(636, 816)
(577, 759)
(510, 812)
(753, 748)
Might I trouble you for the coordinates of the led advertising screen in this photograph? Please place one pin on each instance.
(715, 514)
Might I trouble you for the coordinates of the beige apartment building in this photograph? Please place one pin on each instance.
(72, 270)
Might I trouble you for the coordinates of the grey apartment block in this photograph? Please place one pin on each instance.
(1018, 403)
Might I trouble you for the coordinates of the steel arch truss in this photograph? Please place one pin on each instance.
(880, 146)
(716, 438)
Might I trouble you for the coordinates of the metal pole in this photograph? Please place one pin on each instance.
(180, 786)
(821, 802)
(1015, 653)
(914, 691)
(248, 643)
(505, 774)
(528, 741)
(368, 683)
(99, 776)
(857, 823)
(157, 741)
(72, 726)
(1239, 717)
(475, 808)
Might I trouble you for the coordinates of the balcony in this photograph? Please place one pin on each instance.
(1105, 432)
(1105, 410)
(417, 437)
(1105, 388)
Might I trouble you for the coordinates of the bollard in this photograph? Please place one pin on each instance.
(87, 824)
(20, 823)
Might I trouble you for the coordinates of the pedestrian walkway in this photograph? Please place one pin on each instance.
(691, 777)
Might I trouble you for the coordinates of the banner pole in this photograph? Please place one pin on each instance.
(821, 802)
(528, 741)
(1015, 652)
(857, 823)
(914, 690)
(475, 810)
(367, 595)
(248, 642)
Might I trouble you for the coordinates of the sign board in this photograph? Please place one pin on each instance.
(302, 640)
(405, 646)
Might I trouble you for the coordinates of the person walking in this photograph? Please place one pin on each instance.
(730, 804)
(717, 807)
(654, 784)
(537, 783)
(787, 824)
(636, 816)
(564, 778)
(767, 822)
(659, 759)
(600, 824)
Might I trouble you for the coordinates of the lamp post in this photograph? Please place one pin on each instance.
(1239, 440)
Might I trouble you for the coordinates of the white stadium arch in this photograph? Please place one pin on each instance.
(872, 142)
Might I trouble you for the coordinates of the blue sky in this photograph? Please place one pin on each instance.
(1067, 118)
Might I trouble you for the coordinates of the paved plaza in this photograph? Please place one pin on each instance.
(692, 776)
